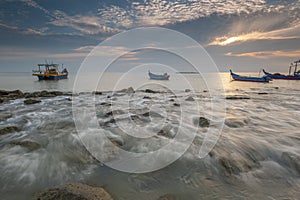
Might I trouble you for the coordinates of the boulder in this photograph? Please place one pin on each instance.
(31, 101)
(202, 122)
(130, 90)
(76, 191)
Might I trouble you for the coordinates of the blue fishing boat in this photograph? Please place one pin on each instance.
(236, 77)
(290, 76)
(164, 76)
(50, 72)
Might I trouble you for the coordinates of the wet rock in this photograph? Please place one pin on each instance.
(130, 90)
(151, 91)
(8, 129)
(176, 104)
(190, 99)
(187, 90)
(28, 144)
(146, 97)
(236, 97)
(97, 93)
(4, 116)
(114, 112)
(31, 101)
(201, 122)
(76, 191)
(3, 92)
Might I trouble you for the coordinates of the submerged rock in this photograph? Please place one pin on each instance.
(190, 99)
(28, 144)
(75, 191)
(8, 129)
(31, 101)
(201, 122)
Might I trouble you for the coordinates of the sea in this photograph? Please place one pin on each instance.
(251, 131)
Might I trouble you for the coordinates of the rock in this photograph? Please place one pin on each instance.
(8, 129)
(146, 97)
(190, 99)
(4, 116)
(1, 100)
(262, 93)
(172, 100)
(151, 91)
(31, 101)
(201, 122)
(30, 145)
(205, 91)
(237, 97)
(276, 88)
(176, 104)
(130, 90)
(76, 191)
(114, 112)
(97, 93)
(187, 90)
(3, 92)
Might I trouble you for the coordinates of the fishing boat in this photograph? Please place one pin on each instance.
(50, 72)
(164, 76)
(291, 76)
(236, 77)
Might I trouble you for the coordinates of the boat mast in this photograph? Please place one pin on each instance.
(296, 66)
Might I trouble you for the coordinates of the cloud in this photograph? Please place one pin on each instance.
(267, 54)
(86, 24)
(159, 13)
(271, 35)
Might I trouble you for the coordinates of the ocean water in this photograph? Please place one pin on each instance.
(257, 155)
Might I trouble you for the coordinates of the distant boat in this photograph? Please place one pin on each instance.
(294, 76)
(236, 77)
(164, 76)
(50, 72)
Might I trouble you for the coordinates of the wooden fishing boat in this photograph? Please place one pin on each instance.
(50, 72)
(164, 76)
(236, 77)
(290, 76)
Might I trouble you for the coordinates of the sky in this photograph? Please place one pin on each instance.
(244, 35)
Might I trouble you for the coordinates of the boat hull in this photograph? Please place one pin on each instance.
(237, 77)
(158, 77)
(51, 77)
(281, 76)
